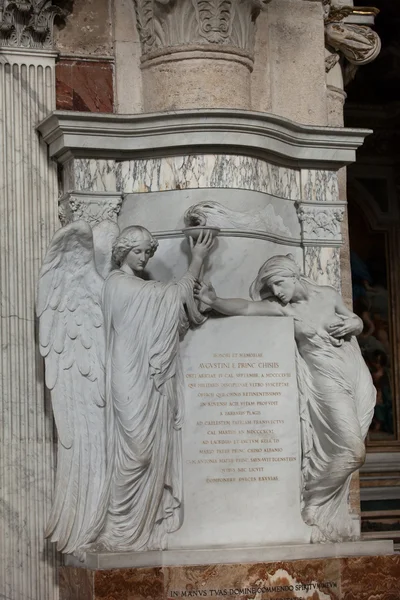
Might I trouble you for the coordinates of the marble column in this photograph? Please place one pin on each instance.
(28, 219)
(182, 41)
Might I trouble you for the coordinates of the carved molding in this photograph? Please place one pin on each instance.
(320, 224)
(90, 207)
(165, 24)
(357, 43)
(29, 23)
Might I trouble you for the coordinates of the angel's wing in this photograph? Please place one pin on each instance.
(72, 341)
(104, 235)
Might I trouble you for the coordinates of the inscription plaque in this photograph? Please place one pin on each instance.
(241, 436)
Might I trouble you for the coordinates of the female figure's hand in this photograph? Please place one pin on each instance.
(203, 245)
(205, 293)
(344, 326)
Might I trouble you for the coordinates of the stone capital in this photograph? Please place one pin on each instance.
(166, 25)
(30, 23)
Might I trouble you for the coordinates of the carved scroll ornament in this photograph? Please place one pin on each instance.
(358, 44)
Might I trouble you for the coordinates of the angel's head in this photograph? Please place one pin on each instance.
(134, 247)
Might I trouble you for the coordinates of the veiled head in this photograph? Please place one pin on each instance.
(277, 277)
(136, 245)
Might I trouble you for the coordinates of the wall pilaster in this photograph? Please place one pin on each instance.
(28, 202)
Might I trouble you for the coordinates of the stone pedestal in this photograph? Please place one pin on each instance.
(339, 577)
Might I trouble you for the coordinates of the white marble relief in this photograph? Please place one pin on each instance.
(87, 174)
(319, 185)
(92, 207)
(215, 214)
(336, 392)
(210, 170)
(322, 264)
(320, 224)
(110, 340)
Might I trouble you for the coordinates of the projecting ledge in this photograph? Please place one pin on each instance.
(262, 135)
(124, 560)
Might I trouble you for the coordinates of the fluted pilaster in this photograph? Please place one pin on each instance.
(28, 219)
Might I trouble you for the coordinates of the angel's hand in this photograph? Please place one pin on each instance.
(205, 292)
(203, 245)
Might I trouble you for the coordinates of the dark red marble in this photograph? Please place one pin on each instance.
(358, 578)
(371, 578)
(129, 584)
(84, 85)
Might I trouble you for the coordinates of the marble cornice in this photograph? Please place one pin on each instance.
(265, 136)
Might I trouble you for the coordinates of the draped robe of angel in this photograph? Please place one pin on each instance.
(112, 365)
(143, 494)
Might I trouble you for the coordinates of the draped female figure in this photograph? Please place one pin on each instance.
(337, 396)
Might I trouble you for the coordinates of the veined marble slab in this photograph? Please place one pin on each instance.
(208, 171)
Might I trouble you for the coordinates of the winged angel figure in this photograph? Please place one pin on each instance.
(110, 341)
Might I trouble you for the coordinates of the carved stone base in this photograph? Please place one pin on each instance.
(351, 578)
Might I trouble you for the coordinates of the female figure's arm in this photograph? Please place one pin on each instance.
(349, 324)
(237, 306)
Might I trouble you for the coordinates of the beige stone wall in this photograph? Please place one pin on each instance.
(128, 75)
(288, 78)
(88, 29)
(290, 49)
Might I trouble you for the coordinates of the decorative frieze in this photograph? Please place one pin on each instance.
(29, 23)
(164, 24)
(89, 207)
(320, 224)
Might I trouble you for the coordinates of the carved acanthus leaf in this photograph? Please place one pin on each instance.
(165, 23)
(29, 23)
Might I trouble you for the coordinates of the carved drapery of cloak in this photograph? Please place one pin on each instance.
(142, 500)
(337, 400)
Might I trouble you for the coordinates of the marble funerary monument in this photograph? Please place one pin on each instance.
(209, 396)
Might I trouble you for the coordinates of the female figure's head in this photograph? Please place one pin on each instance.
(134, 247)
(279, 276)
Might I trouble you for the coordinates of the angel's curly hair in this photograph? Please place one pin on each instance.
(128, 239)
